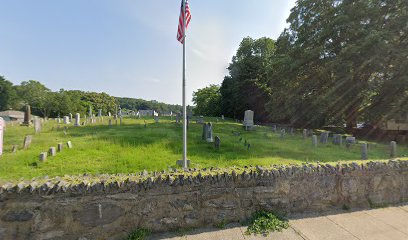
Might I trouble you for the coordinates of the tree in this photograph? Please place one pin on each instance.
(8, 96)
(207, 101)
(37, 96)
(247, 87)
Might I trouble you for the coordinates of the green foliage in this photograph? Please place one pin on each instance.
(140, 104)
(207, 101)
(339, 61)
(139, 234)
(247, 87)
(221, 225)
(7, 95)
(263, 222)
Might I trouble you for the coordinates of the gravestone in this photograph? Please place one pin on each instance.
(109, 114)
(282, 133)
(70, 117)
(156, 119)
(350, 140)
(2, 126)
(66, 120)
(393, 149)
(90, 112)
(305, 133)
(37, 125)
(69, 144)
(204, 135)
(314, 140)
(337, 139)
(217, 142)
(200, 120)
(110, 122)
(99, 112)
(324, 137)
(364, 151)
(120, 119)
(77, 120)
(274, 128)
(209, 135)
(178, 118)
(43, 157)
(249, 120)
(27, 116)
(14, 149)
(60, 147)
(222, 117)
(27, 141)
(52, 151)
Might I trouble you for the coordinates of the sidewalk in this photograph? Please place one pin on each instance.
(381, 224)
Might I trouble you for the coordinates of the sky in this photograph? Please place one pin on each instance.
(128, 48)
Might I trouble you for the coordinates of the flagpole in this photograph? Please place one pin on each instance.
(184, 90)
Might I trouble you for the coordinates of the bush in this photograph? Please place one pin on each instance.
(138, 234)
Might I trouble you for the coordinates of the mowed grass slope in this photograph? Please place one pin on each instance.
(129, 148)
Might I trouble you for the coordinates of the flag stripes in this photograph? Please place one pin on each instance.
(181, 27)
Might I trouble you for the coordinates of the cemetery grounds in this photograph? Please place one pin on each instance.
(134, 147)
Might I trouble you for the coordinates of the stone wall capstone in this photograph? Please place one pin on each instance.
(111, 206)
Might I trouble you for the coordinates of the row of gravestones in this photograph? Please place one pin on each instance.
(53, 151)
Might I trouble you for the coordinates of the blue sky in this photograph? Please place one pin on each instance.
(128, 48)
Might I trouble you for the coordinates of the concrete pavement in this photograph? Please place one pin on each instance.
(382, 224)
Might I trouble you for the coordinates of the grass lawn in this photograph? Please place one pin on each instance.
(100, 148)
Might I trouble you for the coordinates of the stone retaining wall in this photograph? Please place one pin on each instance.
(110, 206)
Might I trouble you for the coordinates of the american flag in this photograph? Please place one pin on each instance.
(181, 28)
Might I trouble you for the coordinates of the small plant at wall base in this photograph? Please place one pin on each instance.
(138, 234)
(263, 222)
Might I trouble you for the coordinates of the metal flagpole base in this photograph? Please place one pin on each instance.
(181, 163)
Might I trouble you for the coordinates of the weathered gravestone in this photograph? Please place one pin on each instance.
(37, 124)
(70, 117)
(222, 117)
(27, 116)
(292, 131)
(364, 151)
(27, 141)
(249, 120)
(69, 144)
(393, 149)
(99, 112)
(200, 120)
(2, 125)
(60, 147)
(209, 135)
(305, 133)
(282, 133)
(337, 139)
(204, 135)
(324, 137)
(43, 157)
(156, 119)
(314, 140)
(14, 149)
(274, 128)
(110, 122)
(52, 151)
(350, 140)
(66, 120)
(77, 120)
(217, 142)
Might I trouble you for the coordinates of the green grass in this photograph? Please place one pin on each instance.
(131, 148)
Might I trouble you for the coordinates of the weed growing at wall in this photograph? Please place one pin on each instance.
(263, 222)
(138, 234)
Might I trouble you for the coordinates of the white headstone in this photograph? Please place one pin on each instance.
(249, 119)
(99, 112)
(77, 120)
(2, 127)
(37, 124)
(66, 120)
